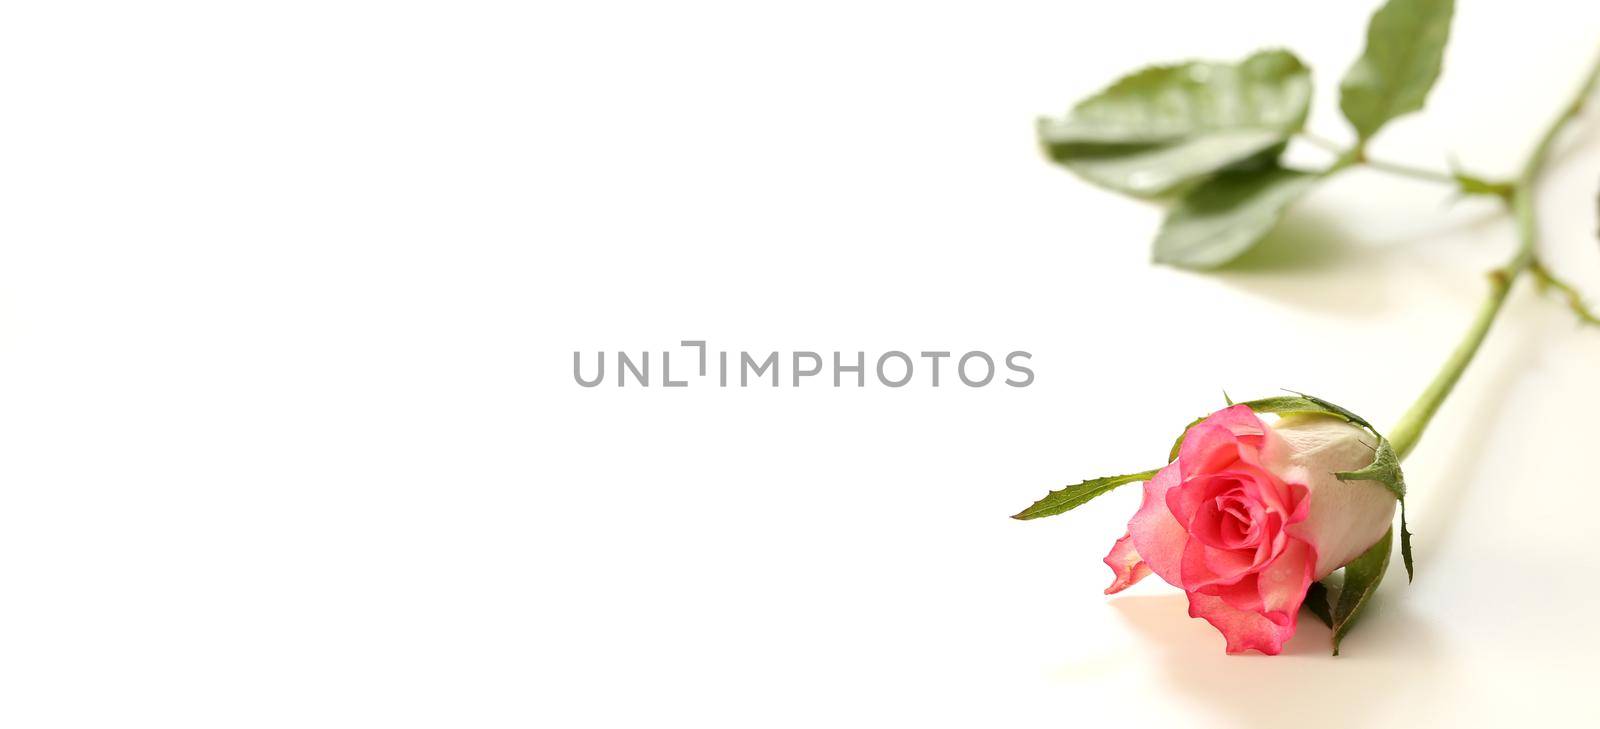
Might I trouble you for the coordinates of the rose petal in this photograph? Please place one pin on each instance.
(1186, 499)
(1215, 442)
(1156, 536)
(1243, 630)
(1216, 565)
(1242, 595)
(1249, 484)
(1215, 522)
(1283, 583)
(1125, 563)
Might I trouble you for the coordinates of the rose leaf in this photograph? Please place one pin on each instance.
(1405, 49)
(1072, 497)
(1153, 132)
(1225, 216)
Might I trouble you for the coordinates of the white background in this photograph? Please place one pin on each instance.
(288, 434)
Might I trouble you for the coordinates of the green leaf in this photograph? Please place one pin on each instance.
(1227, 215)
(1405, 47)
(1361, 578)
(1156, 130)
(1072, 497)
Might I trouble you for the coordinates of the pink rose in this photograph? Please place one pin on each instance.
(1249, 515)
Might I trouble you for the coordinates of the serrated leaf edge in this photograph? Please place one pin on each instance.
(1067, 498)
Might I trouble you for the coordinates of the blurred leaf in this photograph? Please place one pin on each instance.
(1156, 130)
(1227, 215)
(1072, 497)
(1405, 48)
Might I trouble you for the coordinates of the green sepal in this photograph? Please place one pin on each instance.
(1076, 495)
(1385, 469)
(1405, 541)
(1361, 578)
(1300, 403)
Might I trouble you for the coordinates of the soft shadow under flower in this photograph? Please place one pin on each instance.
(1392, 662)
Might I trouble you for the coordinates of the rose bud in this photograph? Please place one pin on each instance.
(1249, 515)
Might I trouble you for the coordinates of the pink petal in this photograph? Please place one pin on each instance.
(1203, 565)
(1239, 419)
(1215, 442)
(1124, 561)
(1243, 630)
(1185, 499)
(1242, 595)
(1156, 536)
(1300, 496)
(1283, 583)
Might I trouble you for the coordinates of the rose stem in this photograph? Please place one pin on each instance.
(1408, 430)
(1466, 182)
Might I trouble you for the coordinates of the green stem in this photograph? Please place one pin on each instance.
(1415, 173)
(1322, 142)
(1548, 280)
(1408, 430)
(1465, 183)
(1405, 433)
